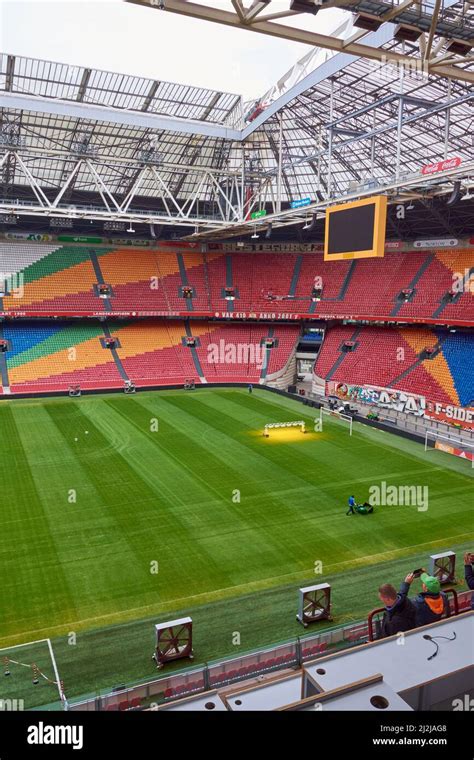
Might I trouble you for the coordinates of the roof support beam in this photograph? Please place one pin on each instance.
(115, 116)
(151, 94)
(256, 8)
(86, 75)
(207, 13)
(431, 33)
(239, 9)
(10, 73)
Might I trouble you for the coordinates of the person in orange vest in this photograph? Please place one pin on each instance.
(432, 603)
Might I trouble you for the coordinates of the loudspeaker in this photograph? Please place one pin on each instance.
(456, 194)
(292, 389)
(313, 223)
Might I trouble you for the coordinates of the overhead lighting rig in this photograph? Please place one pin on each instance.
(61, 223)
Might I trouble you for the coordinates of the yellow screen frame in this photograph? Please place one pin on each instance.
(380, 224)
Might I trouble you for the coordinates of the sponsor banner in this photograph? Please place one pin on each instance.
(34, 236)
(79, 239)
(267, 315)
(442, 166)
(128, 242)
(453, 450)
(458, 416)
(268, 247)
(440, 243)
(234, 315)
(390, 245)
(300, 203)
(178, 244)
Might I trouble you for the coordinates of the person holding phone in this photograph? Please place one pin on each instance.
(469, 574)
(432, 603)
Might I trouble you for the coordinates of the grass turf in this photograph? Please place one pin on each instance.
(233, 522)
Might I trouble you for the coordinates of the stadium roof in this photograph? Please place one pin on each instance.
(123, 147)
(426, 22)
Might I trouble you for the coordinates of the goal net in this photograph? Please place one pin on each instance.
(332, 413)
(449, 444)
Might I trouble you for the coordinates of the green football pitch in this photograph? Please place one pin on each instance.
(119, 511)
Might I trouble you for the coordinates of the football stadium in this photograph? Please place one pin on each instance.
(236, 364)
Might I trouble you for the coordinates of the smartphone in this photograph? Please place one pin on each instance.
(417, 573)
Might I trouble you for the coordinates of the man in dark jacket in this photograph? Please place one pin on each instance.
(469, 574)
(432, 604)
(399, 611)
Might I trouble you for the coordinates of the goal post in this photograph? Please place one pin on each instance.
(450, 445)
(333, 413)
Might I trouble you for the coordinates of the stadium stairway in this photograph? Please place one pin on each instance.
(342, 355)
(184, 280)
(295, 276)
(266, 356)
(3, 367)
(152, 352)
(100, 279)
(412, 284)
(136, 279)
(115, 356)
(192, 349)
(319, 306)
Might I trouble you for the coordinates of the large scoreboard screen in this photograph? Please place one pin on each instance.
(356, 230)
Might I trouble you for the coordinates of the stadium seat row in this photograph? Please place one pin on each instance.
(64, 280)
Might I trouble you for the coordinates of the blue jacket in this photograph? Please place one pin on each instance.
(469, 576)
(428, 607)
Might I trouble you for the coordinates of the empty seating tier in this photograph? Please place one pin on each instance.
(43, 279)
(47, 356)
(396, 358)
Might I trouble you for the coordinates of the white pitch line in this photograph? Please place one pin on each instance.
(27, 644)
(55, 668)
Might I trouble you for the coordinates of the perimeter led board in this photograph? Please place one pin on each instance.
(356, 230)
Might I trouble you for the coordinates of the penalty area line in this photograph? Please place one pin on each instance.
(26, 644)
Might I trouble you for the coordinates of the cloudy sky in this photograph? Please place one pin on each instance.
(120, 37)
